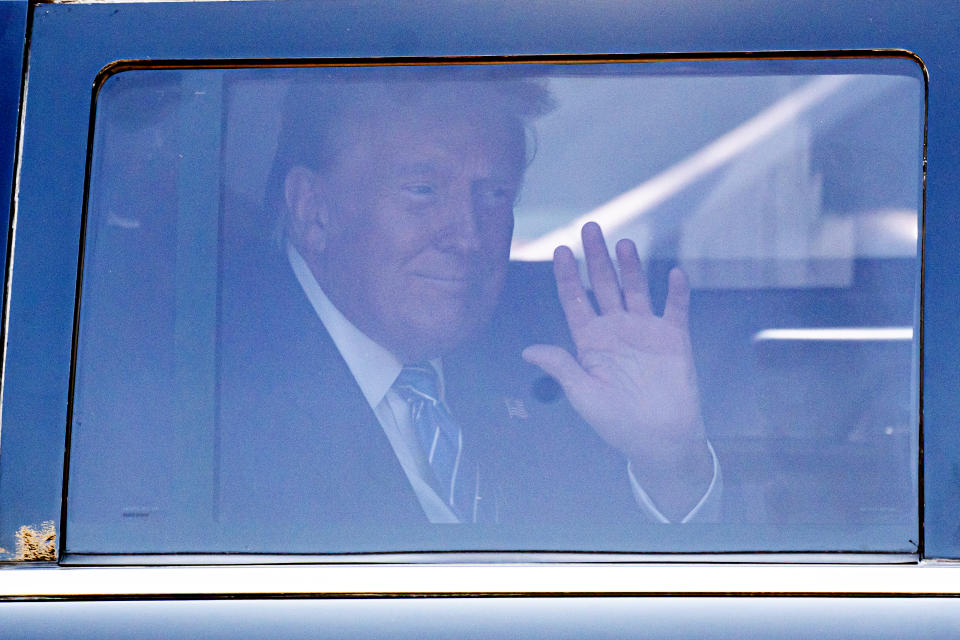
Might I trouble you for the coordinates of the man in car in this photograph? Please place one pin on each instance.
(388, 365)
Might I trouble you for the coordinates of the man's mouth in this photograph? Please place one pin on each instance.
(447, 281)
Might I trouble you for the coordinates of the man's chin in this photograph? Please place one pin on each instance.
(440, 333)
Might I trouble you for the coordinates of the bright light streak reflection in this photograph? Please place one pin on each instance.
(837, 334)
(634, 203)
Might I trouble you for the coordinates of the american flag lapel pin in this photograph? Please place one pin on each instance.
(516, 409)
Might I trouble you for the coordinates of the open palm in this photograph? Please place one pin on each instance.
(633, 378)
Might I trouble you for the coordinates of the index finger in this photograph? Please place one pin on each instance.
(573, 298)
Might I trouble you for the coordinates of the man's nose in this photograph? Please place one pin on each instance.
(461, 229)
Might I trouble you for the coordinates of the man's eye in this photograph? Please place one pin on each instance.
(420, 189)
(497, 194)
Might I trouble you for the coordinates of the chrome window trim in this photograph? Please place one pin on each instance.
(928, 578)
(485, 558)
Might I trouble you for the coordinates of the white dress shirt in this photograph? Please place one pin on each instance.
(375, 369)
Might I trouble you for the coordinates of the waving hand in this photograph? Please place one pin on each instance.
(632, 377)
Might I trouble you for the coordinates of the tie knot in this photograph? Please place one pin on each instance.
(418, 381)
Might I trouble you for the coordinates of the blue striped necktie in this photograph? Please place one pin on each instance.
(455, 480)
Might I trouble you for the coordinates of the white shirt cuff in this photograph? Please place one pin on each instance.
(708, 508)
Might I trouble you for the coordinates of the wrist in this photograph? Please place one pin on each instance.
(677, 477)
(684, 450)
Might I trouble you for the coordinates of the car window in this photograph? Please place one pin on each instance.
(308, 297)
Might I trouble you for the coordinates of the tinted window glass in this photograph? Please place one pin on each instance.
(309, 298)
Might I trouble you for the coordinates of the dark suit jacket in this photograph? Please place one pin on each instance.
(304, 465)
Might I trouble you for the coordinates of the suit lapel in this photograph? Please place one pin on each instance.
(363, 463)
(297, 433)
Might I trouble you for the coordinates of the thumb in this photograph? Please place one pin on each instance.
(558, 364)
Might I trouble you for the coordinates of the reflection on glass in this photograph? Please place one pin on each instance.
(323, 309)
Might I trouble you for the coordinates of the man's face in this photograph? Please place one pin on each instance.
(417, 215)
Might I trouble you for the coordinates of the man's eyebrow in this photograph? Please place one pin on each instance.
(419, 169)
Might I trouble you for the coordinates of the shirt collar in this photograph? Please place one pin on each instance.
(373, 367)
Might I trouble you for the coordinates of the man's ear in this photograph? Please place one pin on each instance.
(307, 211)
